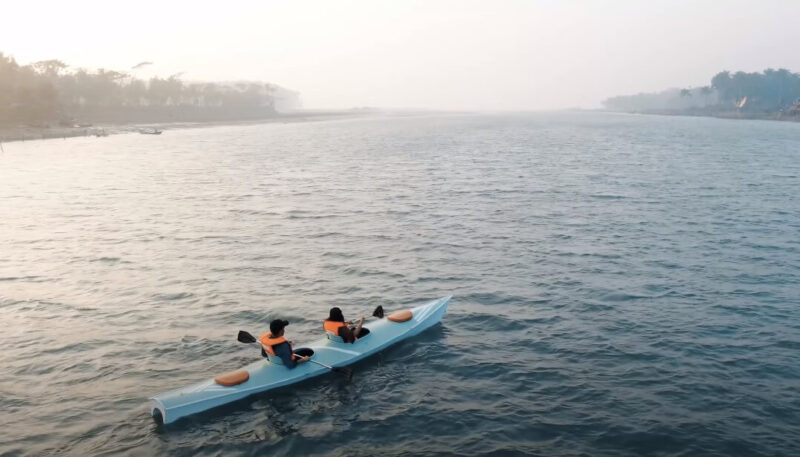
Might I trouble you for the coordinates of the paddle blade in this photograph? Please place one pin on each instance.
(245, 337)
(378, 312)
(346, 372)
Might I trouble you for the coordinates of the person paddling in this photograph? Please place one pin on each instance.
(274, 344)
(335, 324)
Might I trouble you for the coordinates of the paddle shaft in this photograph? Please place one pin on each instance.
(321, 364)
(309, 357)
(375, 313)
(367, 318)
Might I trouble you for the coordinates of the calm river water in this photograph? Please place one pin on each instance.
(623, 285)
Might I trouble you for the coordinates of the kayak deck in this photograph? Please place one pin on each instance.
(263, 375)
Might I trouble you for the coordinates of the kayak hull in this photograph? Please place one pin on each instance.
(175, 404)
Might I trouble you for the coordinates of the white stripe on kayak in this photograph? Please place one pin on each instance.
(342, 350)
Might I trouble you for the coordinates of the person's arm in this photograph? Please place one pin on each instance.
(357, 330)
(282, 350)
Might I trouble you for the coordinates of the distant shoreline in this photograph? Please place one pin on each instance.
(718, 115)
(13, 133)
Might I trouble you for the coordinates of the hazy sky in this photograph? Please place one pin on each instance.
(496, 55)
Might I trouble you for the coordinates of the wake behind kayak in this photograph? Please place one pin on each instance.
(263, 375)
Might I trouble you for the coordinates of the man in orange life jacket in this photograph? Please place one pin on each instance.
(277, 346)
(335, 324)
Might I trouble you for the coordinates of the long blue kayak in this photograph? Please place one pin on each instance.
(270, 374)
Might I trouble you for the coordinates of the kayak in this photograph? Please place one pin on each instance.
(266, 375)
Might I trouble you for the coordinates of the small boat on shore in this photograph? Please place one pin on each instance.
(150, 131)
(267, 374)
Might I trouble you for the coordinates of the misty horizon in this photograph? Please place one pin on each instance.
(513, 56)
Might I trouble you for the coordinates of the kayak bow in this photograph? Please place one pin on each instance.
(264, 375)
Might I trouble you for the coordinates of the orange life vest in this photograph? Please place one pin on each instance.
(268, 341)
(333, 326)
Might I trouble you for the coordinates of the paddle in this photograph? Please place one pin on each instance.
(245, 337)
(377, 313)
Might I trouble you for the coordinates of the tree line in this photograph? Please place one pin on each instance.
(768, 91)
(771, 92)
(50, 91)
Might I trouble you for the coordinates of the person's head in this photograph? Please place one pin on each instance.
(276, 327)
(336, 315)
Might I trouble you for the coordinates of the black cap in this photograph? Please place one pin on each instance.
(277, 325)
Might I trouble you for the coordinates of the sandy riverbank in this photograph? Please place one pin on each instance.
(25, 133)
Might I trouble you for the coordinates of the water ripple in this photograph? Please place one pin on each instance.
(624, 285)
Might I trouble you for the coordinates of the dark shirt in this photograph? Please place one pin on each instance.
(283, 351)
(346, 334)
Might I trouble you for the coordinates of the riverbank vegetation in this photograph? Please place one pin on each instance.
(51, 92)
(768, 94)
